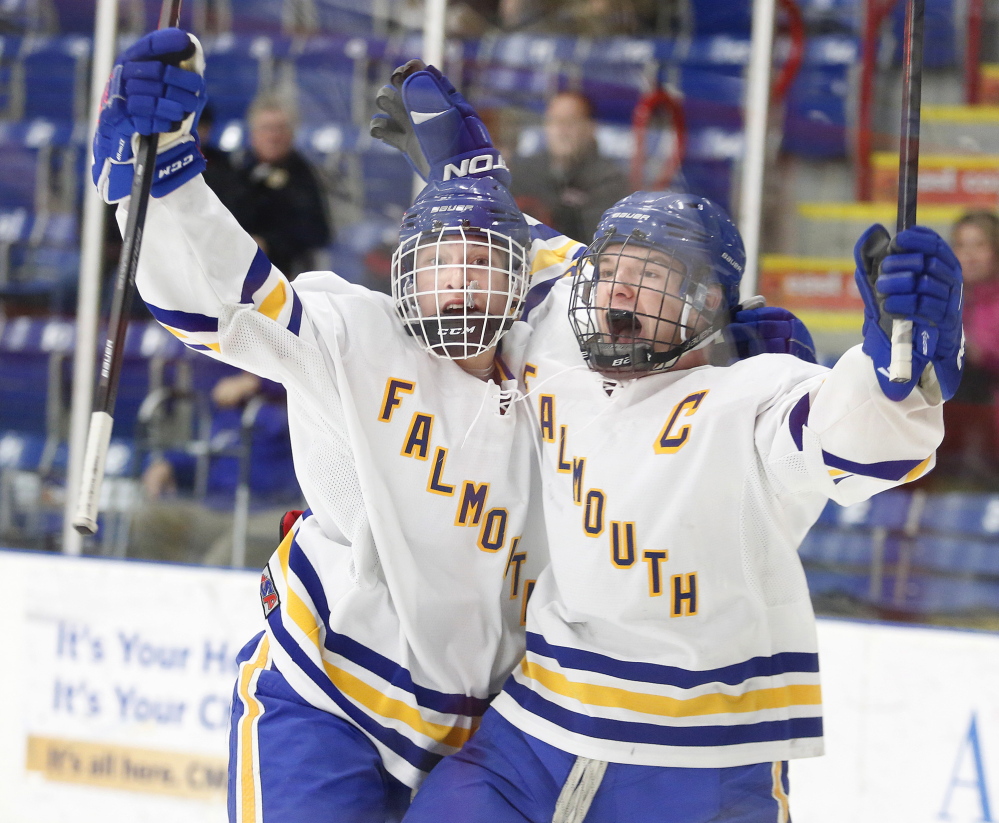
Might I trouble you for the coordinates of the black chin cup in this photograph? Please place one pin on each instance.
(637, 356)
(613, 357)
(457, 338)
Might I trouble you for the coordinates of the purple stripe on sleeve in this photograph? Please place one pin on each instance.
(259, 270)
(887, 470)
(183, 320)
(796, 420)
(295, 323)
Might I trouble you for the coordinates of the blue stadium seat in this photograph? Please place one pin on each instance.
(835, 547)
(712, 17)
(10, 47)
(940, 49)
(345, 17)
(387, 179)
(330, 72)
(74, 16)
(815, 119)
(19, 178)
(236, 67)
(522, 70)
(889, 509)
(832, 16)
(943, 596)
(20, 451)
(824, 582)
(617, 71)
(30, 375)
(55, 77)
(957, 555)
(962, 513)
(257, 16)
(188, 13)
(24, 17)
(712, 97)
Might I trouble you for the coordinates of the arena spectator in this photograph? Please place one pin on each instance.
(220, 175)
(282, 202)
(171, 524)
(971, 420)
(569, 184)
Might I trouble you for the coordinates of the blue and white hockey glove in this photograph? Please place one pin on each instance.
(913, 277)
(148, 93)
(440, 133)
(758, 329)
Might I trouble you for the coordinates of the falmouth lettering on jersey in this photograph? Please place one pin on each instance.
(471, 496)
(622, 535)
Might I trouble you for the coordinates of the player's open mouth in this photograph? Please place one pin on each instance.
(623, 326)
(459, 308)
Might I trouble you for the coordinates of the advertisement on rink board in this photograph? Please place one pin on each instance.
(118, 675)
(117, 688)
(911, 725)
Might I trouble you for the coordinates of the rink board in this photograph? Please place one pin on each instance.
(117, 677)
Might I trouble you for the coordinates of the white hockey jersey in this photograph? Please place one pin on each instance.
(674, 626)
(398, 600)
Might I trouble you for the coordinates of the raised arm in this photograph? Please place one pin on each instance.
(853, 432)
(195, 259)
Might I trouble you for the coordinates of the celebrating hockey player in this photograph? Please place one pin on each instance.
(672, 665)
(393, 608)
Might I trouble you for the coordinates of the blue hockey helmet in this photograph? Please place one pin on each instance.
(460, 273)
(661, 251)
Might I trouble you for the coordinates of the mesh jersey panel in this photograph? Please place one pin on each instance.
(260, 345)
(774, 572)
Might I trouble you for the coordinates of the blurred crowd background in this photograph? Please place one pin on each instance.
(589, 100)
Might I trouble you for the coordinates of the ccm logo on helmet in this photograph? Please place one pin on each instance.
(175, 167)
(474, 165)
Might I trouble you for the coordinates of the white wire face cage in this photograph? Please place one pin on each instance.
(635, 307)
(459, 289)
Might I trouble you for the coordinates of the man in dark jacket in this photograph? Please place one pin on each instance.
(568, 185)
(282, 203)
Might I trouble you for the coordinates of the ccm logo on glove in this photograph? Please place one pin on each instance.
(474, 165)
(173, 168)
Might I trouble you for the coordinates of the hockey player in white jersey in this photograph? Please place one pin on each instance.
(394, 607)
(672, 668)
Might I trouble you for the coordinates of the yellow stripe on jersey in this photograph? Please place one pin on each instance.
(175, 332)
(918, 471)
(272, 304)
(552, 257)
(249, 790)
(612, 697)
(385, 706)
(356, 689)
(778, 793)
(187, 340)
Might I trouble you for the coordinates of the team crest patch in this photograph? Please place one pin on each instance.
(269, 598)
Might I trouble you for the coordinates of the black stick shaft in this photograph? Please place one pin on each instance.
(912, 84)
(102, 419)
(900, 366)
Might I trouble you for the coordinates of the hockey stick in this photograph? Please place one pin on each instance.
(900, 368)
(102, 419)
